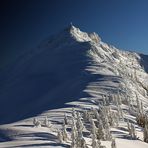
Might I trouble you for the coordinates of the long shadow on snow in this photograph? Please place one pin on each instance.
(45, 80)
(39, 136)
(43, 144)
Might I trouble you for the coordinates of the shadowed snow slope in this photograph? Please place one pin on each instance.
(47, 77)
(66, 67)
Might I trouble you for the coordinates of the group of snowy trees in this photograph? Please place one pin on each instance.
(76, 136)
(96, 122)
(141, 117)
(38, 123)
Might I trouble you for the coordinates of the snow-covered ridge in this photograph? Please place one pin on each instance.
(71, 69)
(70, 35)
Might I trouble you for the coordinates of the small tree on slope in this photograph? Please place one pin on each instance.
(60, 136)
(113, 144)
(145, 132)
(74, 134)
(95, 142)
(36, 122)
(64, 133)
(65, 119)
(46, 122)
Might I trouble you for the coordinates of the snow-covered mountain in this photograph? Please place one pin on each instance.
(70, 69)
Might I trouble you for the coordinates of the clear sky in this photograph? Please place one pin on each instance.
(25, 23)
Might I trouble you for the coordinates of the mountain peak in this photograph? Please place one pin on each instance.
(81, 36)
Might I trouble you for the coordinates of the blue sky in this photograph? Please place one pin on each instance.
(25, 23)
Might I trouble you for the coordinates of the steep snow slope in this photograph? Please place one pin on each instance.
(72, 68)
(41, 78)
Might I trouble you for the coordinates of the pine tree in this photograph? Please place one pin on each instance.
(107, 130)
(121, 115)
(95, 143)
(80, 139)
(64, 133)
(128, 126)
(86, 115)
(93, 128)
(46, 122)
(101, 132)
(145, 132)
(74, 134)
(113, 144)
(79, 123)
(138, 105)
(132, 131)
(65, 119)
(82, 143)
(36, 122)
(74, 113)
(116, 119)
(60, 136)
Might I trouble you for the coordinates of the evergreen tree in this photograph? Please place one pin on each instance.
(74, 113)
(60, 136)
(95, 143)
(36, 122)
(65, 119)
(46, 122)
(101, 132)
(79, 123)
(133, 131)
(145, 132)
(74, 134)
(107, 130)
(64, 133)
(82, 143)
(113, 144)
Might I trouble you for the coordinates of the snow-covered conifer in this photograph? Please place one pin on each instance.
(93, 128)
(128, 126)
(133, 132)
(145, 132)
(121, 115)
(115, 119)
(74, 134)
(64, 132)
(95, 143)
(36, 122)
(113, 144)
(46, 122)
(82, 143)
(74, 113)
(138, 105)
(107, 130)
(95, 133)
(101, 132)
(79, 123)
(86, 115)
(60, 136)
(65, 119)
